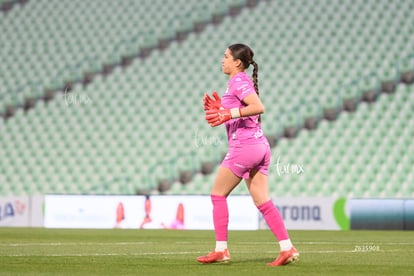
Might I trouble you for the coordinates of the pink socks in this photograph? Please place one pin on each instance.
(274, 220)
(220, 217)
(270, 213)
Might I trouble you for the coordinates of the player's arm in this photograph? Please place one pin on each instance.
(254, 106)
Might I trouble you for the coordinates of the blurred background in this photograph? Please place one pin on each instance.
(104, 97)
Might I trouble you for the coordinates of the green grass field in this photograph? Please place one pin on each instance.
(33, 251)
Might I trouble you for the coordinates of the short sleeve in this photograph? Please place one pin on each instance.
(243, 88)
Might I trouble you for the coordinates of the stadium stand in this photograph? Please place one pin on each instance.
(363, 154)
(7, 5)
(49, 45)
(138, 127)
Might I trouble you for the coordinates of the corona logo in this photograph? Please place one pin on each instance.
(298, 213)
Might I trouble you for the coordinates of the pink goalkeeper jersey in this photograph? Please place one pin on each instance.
(244, 130)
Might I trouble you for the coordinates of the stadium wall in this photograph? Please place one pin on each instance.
(194, 212)
(388, 214)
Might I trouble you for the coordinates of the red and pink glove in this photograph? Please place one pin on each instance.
(215, 113)
(210, 103)
(216, 117)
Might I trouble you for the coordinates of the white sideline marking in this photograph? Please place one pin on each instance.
(367, 242)
(151, 242)
(5, 246)
(102, 254)
(72, 243)
(158, 253)
(184, 242)
(334, 243)
(185, 253)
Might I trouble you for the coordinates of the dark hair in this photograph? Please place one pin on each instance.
(245, 54)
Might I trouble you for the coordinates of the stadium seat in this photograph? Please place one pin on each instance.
(141, 121)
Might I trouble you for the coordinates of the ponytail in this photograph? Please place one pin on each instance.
(254, 77)
(256, 81)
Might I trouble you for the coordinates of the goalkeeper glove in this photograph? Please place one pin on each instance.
(210, 104)
(217, 117)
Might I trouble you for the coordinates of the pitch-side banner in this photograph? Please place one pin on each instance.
(14, 211)
(313, 213)
(151, 212)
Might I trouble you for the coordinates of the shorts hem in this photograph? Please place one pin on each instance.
(264, 172)
(236, 174)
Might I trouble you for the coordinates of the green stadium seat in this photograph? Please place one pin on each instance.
(147, 114)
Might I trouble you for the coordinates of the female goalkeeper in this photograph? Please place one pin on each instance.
(248, 156)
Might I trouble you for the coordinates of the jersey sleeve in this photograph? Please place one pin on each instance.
(243, 88)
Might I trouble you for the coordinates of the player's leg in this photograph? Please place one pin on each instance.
(257, 185)
(225, 182)
(258, 188)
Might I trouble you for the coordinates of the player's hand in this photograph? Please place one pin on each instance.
(218, 116)
(212, 103)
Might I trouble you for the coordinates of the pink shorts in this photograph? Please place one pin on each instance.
(242, 159)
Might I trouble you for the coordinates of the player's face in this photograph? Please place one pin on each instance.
(228, 64)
